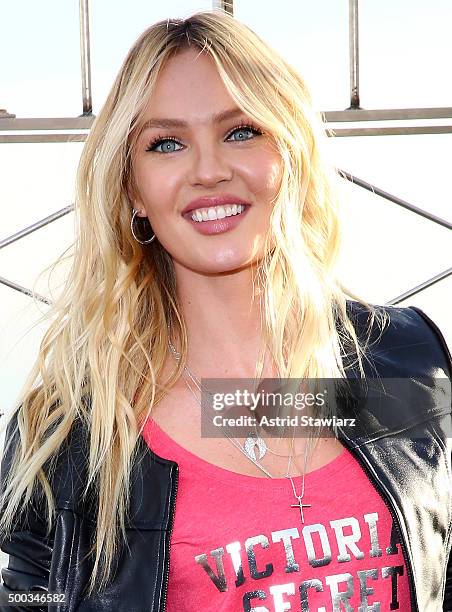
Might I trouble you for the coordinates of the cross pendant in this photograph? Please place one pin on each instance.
(300, 505)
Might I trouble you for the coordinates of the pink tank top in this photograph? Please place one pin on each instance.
(237, 544)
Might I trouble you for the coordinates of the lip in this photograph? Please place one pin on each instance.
(209, 201)
(217, 226)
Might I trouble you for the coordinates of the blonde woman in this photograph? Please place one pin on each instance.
(206, 248)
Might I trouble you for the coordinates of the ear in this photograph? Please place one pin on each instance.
(135, 199)
(141, 211)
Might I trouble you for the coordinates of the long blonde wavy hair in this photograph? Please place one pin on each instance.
(108, 335)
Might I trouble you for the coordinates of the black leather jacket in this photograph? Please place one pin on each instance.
(410, 469)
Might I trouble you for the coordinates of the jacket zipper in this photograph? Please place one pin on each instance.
(174, 487)
(389, 503)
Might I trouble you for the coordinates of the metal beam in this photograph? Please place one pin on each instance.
(388, 196)
(389, 114)
(421, 287)
(24, 290)
(386, 131)
(40, 138)
(353, 33)
(84, 122)
(391, 131)
(224, 5)
(32, 228)
(85, 57)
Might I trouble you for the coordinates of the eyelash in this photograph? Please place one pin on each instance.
(159, 139)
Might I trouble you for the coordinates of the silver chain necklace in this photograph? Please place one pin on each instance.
(251, 442)
(253, 438)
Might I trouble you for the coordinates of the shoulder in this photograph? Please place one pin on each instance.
(403, 340)
(66, 470)
(408, 371)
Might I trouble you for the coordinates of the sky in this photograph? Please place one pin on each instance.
(405, 56)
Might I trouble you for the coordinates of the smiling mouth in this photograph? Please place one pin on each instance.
(213, 227)
(217, 213)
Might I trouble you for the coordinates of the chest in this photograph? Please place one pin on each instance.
(179, 416)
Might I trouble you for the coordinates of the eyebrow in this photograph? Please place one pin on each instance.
(179, 123)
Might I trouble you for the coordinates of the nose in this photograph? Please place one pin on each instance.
(210, 165)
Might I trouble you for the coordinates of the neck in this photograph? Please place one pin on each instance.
(223, 324)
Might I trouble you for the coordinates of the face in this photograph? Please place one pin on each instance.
(175, 165)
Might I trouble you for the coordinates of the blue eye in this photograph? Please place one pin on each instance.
(158, 141)
(168, 140)
(245, 128)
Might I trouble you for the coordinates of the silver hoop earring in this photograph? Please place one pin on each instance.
(132, 229)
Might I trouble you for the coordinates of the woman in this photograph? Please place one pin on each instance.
(206, 247)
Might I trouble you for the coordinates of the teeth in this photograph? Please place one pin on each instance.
(217, 212)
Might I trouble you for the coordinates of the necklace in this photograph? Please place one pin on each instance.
(251, 440)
